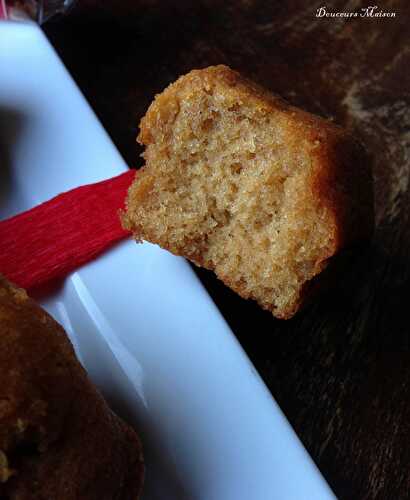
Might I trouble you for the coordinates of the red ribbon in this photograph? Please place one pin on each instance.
(54, 238)
(3, 9)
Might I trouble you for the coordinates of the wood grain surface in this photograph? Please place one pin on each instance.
(340, 370)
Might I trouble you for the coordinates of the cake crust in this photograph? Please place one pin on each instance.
(311, 177)
(58, 438)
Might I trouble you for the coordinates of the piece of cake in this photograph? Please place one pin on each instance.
(242, 183)
(58, 438)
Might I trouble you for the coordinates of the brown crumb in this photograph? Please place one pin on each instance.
(242, 183)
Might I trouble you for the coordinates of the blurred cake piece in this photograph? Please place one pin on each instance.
(58, 438)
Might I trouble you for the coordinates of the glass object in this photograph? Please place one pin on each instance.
(38, 10)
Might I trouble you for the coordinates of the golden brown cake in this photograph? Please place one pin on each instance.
(242, 183)
(58, 438)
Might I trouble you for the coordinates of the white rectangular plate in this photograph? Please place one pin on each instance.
(142, 324)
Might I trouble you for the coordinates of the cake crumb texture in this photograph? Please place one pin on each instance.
(242, 183)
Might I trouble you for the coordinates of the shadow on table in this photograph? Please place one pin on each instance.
(11, 127)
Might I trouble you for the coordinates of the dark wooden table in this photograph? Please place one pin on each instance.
(340, 370)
